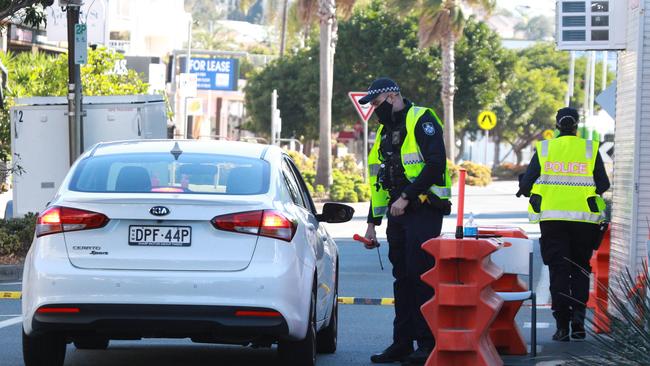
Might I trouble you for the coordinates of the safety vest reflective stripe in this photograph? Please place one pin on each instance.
(379, 211)
(412, 158)
(441, 192)
(566, 180)
(566, 215)
(373, 169)
(589, 153)
(544, 152)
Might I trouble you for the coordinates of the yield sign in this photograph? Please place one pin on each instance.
(365, 111)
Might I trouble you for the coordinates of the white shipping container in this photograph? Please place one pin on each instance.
(40, 145)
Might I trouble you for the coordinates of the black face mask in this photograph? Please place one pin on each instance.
(384, 112)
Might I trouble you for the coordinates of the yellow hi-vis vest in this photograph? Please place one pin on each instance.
(566, 181)
(412, 161)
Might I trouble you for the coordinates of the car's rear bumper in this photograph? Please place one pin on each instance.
(278, 282)
(128, 321)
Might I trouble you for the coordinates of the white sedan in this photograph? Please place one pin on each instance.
(214, 241)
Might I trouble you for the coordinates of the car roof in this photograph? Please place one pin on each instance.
(244, 149)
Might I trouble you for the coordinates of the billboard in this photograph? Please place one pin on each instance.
(214, 73)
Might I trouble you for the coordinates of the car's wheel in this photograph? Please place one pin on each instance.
(43, 350)
(92, 342)
(302, 352)
(327, 337)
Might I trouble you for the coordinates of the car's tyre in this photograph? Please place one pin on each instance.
(92, 342)
(43, 350)
(302, 352)
(327, 337)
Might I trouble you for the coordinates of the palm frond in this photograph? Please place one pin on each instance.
(628, 340)
(404, 7)
(306, 11)
(344, 8)
(486, 5)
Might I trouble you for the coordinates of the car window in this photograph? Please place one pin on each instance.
(292, 184)
(162, 173)
(302, 186)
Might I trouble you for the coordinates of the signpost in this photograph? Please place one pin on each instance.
(487, 120)
(365, 111)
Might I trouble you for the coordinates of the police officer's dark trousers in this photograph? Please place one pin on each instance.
(566, 248)
(406, 233)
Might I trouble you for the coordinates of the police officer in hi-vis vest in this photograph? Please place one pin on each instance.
(410, 186)
(565, 181)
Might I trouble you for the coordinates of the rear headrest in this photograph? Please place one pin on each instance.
(133, 179)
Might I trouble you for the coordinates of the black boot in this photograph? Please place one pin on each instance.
(562, 326)
(561, 335)
(396, 352)
(578, 324)
(419, 357)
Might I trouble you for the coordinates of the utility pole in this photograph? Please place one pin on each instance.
(283, 40)
(75, 127)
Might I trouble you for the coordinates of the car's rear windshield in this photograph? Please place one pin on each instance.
(162, 173)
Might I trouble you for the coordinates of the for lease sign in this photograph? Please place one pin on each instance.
(215, 73)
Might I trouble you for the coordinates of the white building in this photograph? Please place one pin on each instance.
(147, 27)
(631, 183)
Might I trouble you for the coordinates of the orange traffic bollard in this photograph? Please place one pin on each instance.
(598, 296)
(504, 332)
(464, 304)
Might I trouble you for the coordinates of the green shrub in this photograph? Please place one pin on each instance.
(348, 165)
(363, 191)
(309, 176)
(508, 171)
(303, 163)
(453, 171)
(477, 174)
(16, 235)
(348, 187)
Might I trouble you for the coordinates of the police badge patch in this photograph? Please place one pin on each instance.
(428, 128)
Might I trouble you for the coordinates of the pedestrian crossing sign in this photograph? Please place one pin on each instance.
(487, 120)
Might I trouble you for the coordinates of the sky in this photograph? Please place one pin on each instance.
(533, 7)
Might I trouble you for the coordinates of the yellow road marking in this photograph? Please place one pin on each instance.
(10, 294)
(366, 301)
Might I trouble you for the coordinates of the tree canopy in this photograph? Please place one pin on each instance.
(374, 43)
(38, 74)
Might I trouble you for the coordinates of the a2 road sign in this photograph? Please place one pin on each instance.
(365, 110)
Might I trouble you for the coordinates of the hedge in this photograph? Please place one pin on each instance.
(477, 174)
(16, 235)
(508, 171)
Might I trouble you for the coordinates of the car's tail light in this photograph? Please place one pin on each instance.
(267, 223)
(54, 310)
(58, 219)
(257, 314)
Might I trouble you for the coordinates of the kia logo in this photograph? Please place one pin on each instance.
(159, 211)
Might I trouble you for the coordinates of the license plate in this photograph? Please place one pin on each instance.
(161, 236)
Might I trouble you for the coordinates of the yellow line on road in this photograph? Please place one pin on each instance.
(10, 294)
(366, 301)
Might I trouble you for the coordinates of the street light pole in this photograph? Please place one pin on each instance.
(187, 71)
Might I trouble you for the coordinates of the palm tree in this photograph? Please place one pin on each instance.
(442, 21)
(328, 37)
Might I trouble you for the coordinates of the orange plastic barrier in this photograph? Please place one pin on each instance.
(504, 332)
(598, 298)
(464, 304)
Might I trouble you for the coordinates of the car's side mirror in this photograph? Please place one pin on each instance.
(335, 213)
